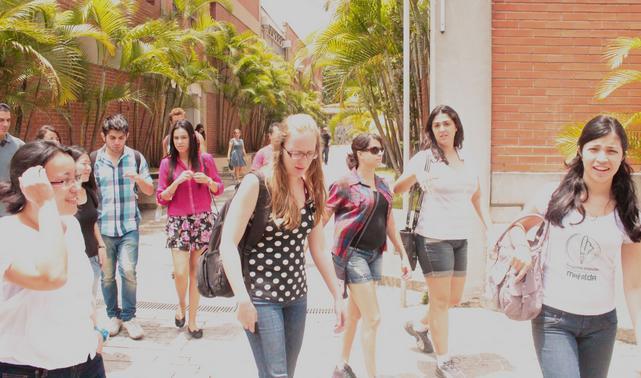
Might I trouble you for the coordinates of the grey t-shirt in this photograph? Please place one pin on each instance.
(8, 147)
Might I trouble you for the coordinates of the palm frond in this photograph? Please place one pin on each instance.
(615, 80)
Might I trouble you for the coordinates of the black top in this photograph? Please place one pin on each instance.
(277, 263)
(375, 233)
(325, 137)
(87, 216)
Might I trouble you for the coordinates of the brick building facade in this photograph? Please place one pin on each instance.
(546, 65)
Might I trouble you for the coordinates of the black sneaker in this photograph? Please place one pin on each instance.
(423, 342)
(344, 372)
(449, 370)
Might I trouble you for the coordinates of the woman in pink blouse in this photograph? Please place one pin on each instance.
(186, 182)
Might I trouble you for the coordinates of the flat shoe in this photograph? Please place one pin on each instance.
(196, 334)
(179, 322)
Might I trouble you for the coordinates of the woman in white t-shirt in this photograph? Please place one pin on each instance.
(47, 317)
(446, 222)
(594, 220)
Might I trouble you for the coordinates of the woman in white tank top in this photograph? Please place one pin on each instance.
(594, 219)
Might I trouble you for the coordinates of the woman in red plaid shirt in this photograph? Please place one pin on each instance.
(361, 203)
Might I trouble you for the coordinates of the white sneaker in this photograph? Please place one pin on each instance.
(133, 329)
(114, 326)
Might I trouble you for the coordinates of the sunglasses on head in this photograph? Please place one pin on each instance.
(375, 150)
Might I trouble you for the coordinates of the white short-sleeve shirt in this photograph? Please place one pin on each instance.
(446, 211)
(50, 329)
(579, 269)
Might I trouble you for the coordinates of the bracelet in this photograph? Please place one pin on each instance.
(103, 332)
(102, 246)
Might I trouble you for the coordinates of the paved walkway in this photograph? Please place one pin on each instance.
(486, 343)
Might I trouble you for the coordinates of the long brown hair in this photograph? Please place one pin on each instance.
(283, 203)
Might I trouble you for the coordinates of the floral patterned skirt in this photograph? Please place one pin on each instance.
(189, 232)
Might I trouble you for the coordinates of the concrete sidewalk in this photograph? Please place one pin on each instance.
(486, 343)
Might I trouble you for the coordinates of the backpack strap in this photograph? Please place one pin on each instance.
(256, 228)
(138, 158)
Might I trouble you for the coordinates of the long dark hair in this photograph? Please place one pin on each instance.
(90, 186)
(429, 131)
(173, 152)
(38, 152)
(360, 143)
(573, 192)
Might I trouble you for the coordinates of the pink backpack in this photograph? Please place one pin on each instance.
(520, 300)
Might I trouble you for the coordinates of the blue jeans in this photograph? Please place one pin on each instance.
(95, 266)
(278, 337)
(574, 346)
(124, 251)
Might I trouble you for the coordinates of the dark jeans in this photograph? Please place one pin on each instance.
(325, 154)
(572, 346)
(91, 369)
(278, 337)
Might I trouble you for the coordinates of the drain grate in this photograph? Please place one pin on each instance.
(143, 305)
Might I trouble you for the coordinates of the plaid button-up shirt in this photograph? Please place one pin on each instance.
(119, 212)
(352, 201)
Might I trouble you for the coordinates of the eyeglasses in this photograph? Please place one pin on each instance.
(375, 150)
(297, 155)
(68, 182)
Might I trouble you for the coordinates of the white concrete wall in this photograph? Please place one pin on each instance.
(461, 76)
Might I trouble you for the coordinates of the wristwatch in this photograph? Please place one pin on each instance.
(103, 332)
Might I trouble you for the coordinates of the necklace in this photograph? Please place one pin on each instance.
(597, 215)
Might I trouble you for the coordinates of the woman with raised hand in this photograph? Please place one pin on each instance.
(45, 285)
(361, 203)
(272, 298)
(444, 226)
(187, 180)
(593, 216)
(87, 213)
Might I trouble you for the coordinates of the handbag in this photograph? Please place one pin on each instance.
(408, 234)
(523, 299)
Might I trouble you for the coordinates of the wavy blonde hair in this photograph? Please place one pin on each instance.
(283, 203)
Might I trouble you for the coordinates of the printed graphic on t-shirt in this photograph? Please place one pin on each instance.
(582, 251)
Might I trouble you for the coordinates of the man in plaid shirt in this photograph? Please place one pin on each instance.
(120, 171)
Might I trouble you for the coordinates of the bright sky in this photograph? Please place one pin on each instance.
(304, 16)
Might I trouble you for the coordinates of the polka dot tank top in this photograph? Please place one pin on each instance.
(277, 263)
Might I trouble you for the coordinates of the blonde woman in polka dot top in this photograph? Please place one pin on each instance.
(272, 299)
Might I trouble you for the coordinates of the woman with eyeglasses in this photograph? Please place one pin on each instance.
(47, 318)
(87, 214)
(445, 223)
(272, 298)
(361, 203)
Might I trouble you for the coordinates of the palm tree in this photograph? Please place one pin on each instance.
(41, 64)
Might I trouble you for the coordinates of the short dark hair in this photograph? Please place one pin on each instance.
(34, 153)
(4, 107)
(116, 122)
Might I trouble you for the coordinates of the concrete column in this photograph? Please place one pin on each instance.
(461, 77)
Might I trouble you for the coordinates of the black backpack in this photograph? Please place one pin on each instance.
(210, 275)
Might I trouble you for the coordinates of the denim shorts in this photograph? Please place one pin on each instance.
(362, 266)
(442, 258)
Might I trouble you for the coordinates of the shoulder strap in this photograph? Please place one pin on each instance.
(255, 230)
(138, 160)
(414, 209)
